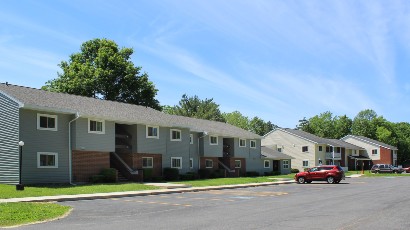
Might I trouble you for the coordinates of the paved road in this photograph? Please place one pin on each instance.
(357, 203)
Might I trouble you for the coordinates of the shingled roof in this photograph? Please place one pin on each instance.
(37, 99)
(270, 152)
(371, 141)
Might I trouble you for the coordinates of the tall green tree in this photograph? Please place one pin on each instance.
(103, 70)
(237, 119)
(342, 126)
(194, 107)
(260, 127)
(364, 125)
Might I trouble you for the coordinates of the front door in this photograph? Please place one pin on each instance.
(275, 166)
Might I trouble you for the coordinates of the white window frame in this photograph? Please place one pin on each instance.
(264, 164)
(191, 163)
(177, 131)
(252, 144)
(279, 149)
(48, 116)
(210, 140)
(303, 164)
(212, 163)
(320, 148)
(285, 164)
(49, 154)
(191, 139)
(374, 151)
(102, 126)
(154, 127)
(180, 162)
(148, 166)
(240, 144)
(307, 149)
(240, 164)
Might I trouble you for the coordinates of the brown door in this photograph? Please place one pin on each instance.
(275, 166)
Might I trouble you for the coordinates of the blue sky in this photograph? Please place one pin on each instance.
(278, 60)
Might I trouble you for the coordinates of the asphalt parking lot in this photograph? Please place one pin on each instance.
(356, 203)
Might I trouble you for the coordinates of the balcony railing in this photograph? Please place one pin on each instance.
(333, 155)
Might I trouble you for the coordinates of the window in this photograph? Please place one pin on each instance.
(175, 135)
(285, 164)
(213, 140)
(374, 151)
(329, 149)
(209, 163)
(176, 162)
(96, 126)
(320, 148)
(305, 163)
(191, 163)
(237, 163)
(242, 142)
(191, 139)
(147, 162)
(47, 122)
(266, 164)
(152, 131)
(253, 144)
(279, 149)
(305, 148)
(47, 160)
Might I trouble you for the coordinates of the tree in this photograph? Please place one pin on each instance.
(260, 127)
(342, 126)
(102, 70)
(237, 119)
(194, 107)
(363, 124)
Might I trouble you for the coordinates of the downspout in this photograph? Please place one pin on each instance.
(70, 153)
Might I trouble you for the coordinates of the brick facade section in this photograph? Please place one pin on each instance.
(228, 161)
(88, 163)
(156, 162)
(215, 163)
(386, 157)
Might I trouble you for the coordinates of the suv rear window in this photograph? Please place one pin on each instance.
(340, 168)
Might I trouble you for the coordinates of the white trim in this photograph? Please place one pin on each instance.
(175, 130)
(250, 144)
(210, 138)
(286, 165)
(240, 164)
(191, 139)
(48, 116)
(97, 121)
(180, 162)
(305, 166)
(49, 154)
(149, 166)
(212, 163)
(242, 146)
(264, 165)
(154, 127)
(191, 163)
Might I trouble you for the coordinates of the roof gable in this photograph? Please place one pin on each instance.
(370, 141)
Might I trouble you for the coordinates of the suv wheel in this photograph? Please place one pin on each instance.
(301, 180)
(330, 180)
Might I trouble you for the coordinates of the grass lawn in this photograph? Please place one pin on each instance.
(12, 214)
(9, 191)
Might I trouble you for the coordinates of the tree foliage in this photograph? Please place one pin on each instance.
(105, 71)
(194, 107)
(237, 119)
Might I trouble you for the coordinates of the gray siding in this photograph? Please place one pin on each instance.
(212, 150)
(194, 151)
(247, 152)
(91, 141)
(151, 145)
(44, 141)
(177, 149)
(9, 138)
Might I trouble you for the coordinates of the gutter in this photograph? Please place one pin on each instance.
(70, 151)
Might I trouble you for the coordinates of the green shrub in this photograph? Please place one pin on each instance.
(97, 179)
(217, 174)
(189, 176)
(204, 173)
(252, 174)
(272, 173)
(294, 170)
(109, 174)
(171, 174)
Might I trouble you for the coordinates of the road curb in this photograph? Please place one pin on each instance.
(95, 196)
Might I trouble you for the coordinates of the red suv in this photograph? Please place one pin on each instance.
(330, 173)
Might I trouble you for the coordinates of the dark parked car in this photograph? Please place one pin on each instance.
(385, 168)
(330, 173)
(407, 170)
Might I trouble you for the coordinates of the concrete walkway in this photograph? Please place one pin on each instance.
(167, 188)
